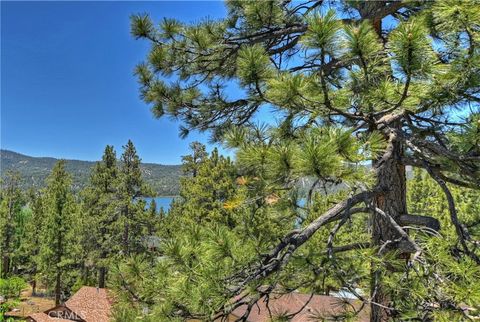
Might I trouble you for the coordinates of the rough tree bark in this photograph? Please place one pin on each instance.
(391, 179)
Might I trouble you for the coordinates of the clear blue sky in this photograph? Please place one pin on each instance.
(67, 87)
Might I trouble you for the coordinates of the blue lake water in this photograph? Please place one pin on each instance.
(162, 202)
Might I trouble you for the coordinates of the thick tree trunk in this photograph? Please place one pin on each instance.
(391, 178)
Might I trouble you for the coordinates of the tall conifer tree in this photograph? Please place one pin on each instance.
(11, 203)
(56, 237)
(30, 243)
(131, 186)
(384, 82)
(208, 184)
(391, 83)
(100, 211)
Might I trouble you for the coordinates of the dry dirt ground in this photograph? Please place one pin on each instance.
(29, 304)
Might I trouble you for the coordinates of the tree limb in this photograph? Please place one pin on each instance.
(400, 230)
(281, 254)
(461, 230)
(418, 220)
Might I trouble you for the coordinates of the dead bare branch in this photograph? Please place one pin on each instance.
(280, 255)
(462, 231)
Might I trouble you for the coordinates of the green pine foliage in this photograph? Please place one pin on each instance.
(198, 257)
(199, 231)
(347, 91)
(115, 222)
(318, 202)
(99, 211)
(11, 217)
(57, 235)
(209, 181)
(29, 249)
(444, 275)
(131, 186)
(58, 239)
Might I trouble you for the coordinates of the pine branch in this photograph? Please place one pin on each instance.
(461, 230)
(418, 220)
(467, 164)
(301, 28)
(438, 168)
(281, 254)
(349, 247)
(402, 232)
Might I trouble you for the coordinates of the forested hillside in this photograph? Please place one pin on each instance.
(34, 170)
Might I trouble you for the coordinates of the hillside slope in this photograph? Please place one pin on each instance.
(34, 170)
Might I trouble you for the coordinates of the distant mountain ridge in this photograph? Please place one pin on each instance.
(164, 179)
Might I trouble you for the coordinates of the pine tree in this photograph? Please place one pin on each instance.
(56, 236)
(191, 162)
(29, 246)
(99, 212)
(205, 190)
(11, 203)
(131, 186)
(208, 184)
(152, 220)
(347, 89)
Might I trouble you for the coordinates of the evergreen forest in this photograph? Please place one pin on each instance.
(363, 178)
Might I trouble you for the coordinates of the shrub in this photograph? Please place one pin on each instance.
(12, 287)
